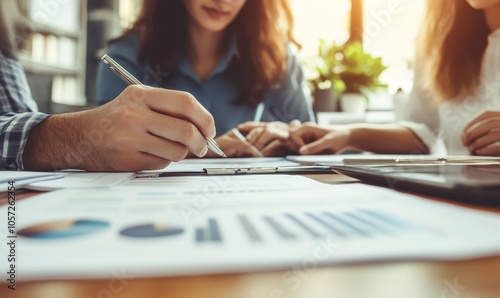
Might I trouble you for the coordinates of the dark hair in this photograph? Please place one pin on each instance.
(263, 28)
(453, 41)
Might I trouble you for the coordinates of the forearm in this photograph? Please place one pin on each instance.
(385, 139)
(57, 143)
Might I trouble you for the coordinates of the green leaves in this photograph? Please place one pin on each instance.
(346, 68)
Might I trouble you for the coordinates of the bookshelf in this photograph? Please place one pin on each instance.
(54, 57)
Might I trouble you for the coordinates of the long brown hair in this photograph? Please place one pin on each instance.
(452, 45)
(263, 28)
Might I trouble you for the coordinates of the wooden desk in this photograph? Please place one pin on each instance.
(478, 278)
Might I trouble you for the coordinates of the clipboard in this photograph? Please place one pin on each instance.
(244, 171)
(235, 166)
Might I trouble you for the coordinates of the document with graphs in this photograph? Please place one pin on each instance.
(219, 224)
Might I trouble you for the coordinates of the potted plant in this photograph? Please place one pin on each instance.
(358, 75)
(345, 69)
(319, 71)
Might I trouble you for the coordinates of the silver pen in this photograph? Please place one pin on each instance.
(123, 74)
(242, 138)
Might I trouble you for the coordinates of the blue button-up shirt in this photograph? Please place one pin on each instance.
(220, 93)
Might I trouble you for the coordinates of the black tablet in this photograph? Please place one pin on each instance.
(475, 184)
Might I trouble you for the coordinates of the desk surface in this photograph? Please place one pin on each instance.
(474, 278)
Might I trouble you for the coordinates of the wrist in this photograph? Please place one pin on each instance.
(53, 143)
(356, 137)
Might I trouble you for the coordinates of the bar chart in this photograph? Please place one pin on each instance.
(209, 234)
(295, 226)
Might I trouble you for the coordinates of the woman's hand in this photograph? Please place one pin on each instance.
(232, 146)
(310, 138)
(482, 134)
(270, 138)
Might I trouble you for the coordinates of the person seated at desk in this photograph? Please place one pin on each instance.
(100, 139)
(456, 94)
(232, 55)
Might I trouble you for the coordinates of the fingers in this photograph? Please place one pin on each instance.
(262, 136)
(233, 146)
(165, 149)
(254, 134)
(481, 117)
(243, 145)
(296, 137)
(484, 141)
(306, 133)
(146, 161)
(265, 138)
(176, 116)
(489, 151)
(177, 130)
(317, 147)
(259, 137)
(295, 124)
(275, 148)
(174, 103)
(128, 162)
(479, 129)
(145, 128)
(249, 125)
(245, 150)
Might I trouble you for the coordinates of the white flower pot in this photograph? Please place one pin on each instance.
(353, 103)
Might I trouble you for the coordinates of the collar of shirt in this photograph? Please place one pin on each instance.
(186, 68)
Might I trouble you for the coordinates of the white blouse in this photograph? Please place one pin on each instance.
(440, 125)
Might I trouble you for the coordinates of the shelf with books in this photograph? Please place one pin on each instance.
(42, 67)
(57, 49)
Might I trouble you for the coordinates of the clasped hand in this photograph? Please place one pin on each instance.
(482, 135)
(279, 139)
(270, 138)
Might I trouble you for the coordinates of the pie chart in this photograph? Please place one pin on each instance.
(151, 231)
(64, 229)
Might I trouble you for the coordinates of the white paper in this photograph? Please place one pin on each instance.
(198, 164)
(80, 179)
(242, 223)
(24, 177)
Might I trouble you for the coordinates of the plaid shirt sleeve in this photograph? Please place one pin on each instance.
(18, 114)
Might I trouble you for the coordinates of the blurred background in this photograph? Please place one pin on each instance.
(62, 55)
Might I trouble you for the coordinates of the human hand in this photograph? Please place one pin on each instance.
(270, 138)
(233, 146)
(481, 134)
(143, 128)
(310, 138)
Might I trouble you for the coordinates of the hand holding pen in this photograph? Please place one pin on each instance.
(131, 80)
(242, 138)
(268, 138)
